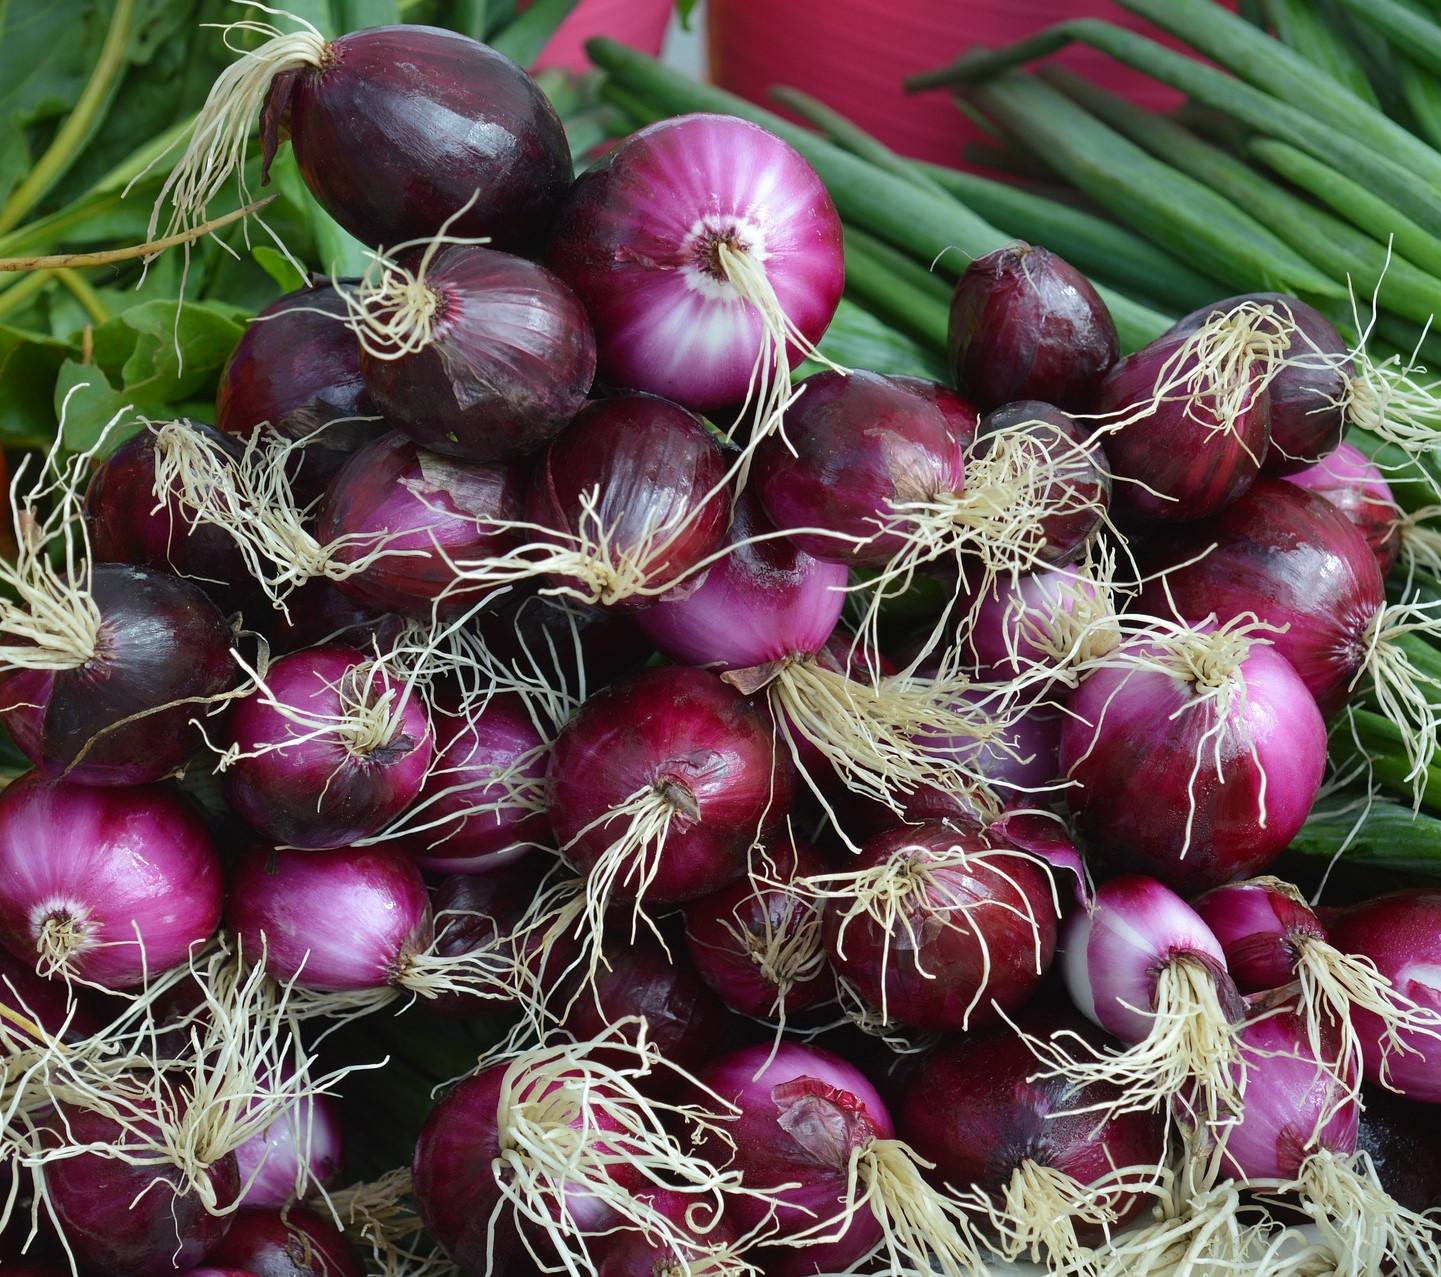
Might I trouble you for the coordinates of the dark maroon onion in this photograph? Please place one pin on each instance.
(399, 128)
(318, 612)
(1354, 484)
(633, 1254)
(290, 1242)
(430, 511)
(1308, 395)
(44, 1003)
(500, 367)
(1259, 924)
(579, 648)
(1027, 325)
(705, 754)
(960, 413)
(652, 470)
(1403, 1140)
(118, 718)
(326, 789)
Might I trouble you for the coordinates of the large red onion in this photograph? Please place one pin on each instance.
(1354, 484)
(289, 1242)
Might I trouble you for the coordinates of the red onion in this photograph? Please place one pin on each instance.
(1354, 484)
(329, 750)
(961, 415)
(318, 613)
(293, 1242)
(473, 353)
(104, 884)
(395, 129)
(709, 256)
(1027, 325)
(1195, 756)
(1263, 926)
(632, 1254)
(298, 1151)
(940, 927)
(1021, 766)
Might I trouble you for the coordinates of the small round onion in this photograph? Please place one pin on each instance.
(295, 1153)
(1354, 484)
(1260, 925)
(631, 1253)
(289, 1242)
(1047, 618)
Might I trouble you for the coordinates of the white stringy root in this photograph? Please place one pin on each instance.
(1406, 694)
(786, 951)
(381, 1220)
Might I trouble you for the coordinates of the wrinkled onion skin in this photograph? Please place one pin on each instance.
(402, 125)
(1025, 324)
(1259, 924)
(1401, 933)
(293, 1242)
(1354, 484)
(129, 1221)
(1308, 397)
(648, 464)
(855, 447)
(1294, 560)
(444, 510)
(120, 860)
(934, 987)
(1130, 744)
(627, 243)
(671, 726)
(1403, 1140)
(510, 359)
(161, 641)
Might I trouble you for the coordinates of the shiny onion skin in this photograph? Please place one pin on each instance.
(319, 793)
(1294, 560)
(1401, 933)
(301, 1148)
(84, 870)
(971, 961)
(1308, 396)
(296, 370)
(1403, 1140)
(431, 510)
(1169, 778)
(855, 447)
(960, 413)
(288, 1242)
(1354, 484)
(1258, 924)
(130, 1221)
(161, 641)
(1027, 325)
(650, 467)
(639, 242)
(508, 360)
(696, 743)
(400, 126)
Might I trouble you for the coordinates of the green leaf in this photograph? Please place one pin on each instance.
(87, 402)
(154, 372)
(29, 363)
(279, 267)
(355, 15)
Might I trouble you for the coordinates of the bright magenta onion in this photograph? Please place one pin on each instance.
(1354, 484)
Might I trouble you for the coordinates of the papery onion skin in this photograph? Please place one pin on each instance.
(946, 983)
(509, 360)
(1295, 561)
(651, 467)
(1401, 1138)
(636, 241)
(115, 864)
(1025, 324)
(1401, 933)
(855, 446)
(403, 125)
(317, 793)
(671, 728)
(290, 1242)
(1354, 484)
(1140, 747)
(161, 642)
(1259, 924)
(296, 1152)
(431, 511)
(332, 921)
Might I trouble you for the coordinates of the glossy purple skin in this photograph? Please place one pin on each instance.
(1354, 484)
(724, 933)
(446, 512)
(509, 363)
(1178, 463)
(933, 985)
(294, 1242)
(113, 861)
(294, 1153)
(1294, 560)
(798, 1122)
(316, 793)
(402, 125)
(859, 445)
(1027, 325)
(1401, 1138)
(1259, 924)
(960, 413)
(161, 641)
(1308, 411)
(648, 464)
(471, 750)
(129, 1221)
(1001, 639)
(1131, 741)
(1401, 933)
(1025, 762)
(333, 921)
(763, 602)
(687, 732)
(976, 1107)
(297, 371)
(637, 241)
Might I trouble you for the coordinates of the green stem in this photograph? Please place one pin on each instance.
(897, 289)
(25, 290)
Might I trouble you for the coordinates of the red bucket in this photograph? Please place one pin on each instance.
(638, 23)
(853, 55)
